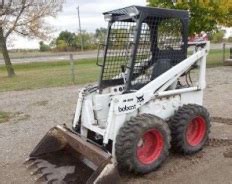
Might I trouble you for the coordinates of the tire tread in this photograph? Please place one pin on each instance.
(125, 142)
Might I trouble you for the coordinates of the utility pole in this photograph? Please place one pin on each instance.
(79, 20)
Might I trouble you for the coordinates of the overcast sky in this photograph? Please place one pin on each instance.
(91, 17)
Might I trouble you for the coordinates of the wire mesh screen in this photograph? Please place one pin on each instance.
(118, 52)
(160, 47)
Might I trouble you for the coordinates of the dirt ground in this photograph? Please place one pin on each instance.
(34, 112)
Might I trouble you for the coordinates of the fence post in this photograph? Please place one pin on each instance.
(230, 52)
(72, 69)
(223, 51)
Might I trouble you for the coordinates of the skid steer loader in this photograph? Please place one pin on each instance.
(145, 102)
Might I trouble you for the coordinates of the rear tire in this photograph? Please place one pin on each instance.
(190, 127)
(142, 144)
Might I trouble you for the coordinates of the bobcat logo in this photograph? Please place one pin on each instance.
(126, 108)
(140, 99)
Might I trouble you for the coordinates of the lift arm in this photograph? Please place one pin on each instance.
(158, 86)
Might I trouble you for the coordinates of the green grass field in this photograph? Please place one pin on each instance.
(51, 74)
(214, 58)
(41, 75)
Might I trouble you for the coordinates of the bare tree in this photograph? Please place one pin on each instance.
(25, 18)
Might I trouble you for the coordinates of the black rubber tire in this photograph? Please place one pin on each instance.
(179, 123)
(128, 138)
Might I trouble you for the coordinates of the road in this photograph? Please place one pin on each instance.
(58, 57)
(65, 56)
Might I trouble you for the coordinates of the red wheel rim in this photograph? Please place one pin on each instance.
(150, 146)
(196, 130)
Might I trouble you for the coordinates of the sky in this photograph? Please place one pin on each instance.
(90, 13)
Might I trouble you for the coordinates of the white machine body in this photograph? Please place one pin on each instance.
(105, 113)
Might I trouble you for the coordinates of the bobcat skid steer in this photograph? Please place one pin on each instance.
(145, 102)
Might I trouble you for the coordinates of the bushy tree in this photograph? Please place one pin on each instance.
(89, 41)
(217, 37)
(61, 45)
(70, 41)
(68, 38)
(100, 34)
(205, 15)
(43, 47)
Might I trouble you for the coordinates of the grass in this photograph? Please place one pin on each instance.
(4, 117)
(214, 58)
(52, 74)
(17, 116)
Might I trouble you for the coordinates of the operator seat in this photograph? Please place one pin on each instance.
(161, 66)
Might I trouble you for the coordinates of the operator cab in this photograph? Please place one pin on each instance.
(141, 44)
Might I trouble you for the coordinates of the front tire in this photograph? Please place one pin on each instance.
(142, 143)
(190, 129)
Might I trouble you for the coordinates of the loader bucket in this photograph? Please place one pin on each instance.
(65, 157)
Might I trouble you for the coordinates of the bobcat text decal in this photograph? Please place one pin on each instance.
(126, 108)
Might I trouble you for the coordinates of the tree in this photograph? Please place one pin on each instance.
(67, 41)
(100, 34)
(89, 41)
(43, 47)
(61, 45)
(205, 15)
(68, 38)
(217, 37)
(25, 18)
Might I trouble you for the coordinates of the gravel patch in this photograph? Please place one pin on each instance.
(39, 110)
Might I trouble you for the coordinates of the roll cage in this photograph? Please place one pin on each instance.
(141, 44)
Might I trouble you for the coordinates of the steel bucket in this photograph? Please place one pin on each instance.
(62, 156)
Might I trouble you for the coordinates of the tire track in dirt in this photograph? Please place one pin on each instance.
(215, 142)
(190, 161)
(227, 121)
(179, 163)
(184, 162)
(214, 150)
(228, 153)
